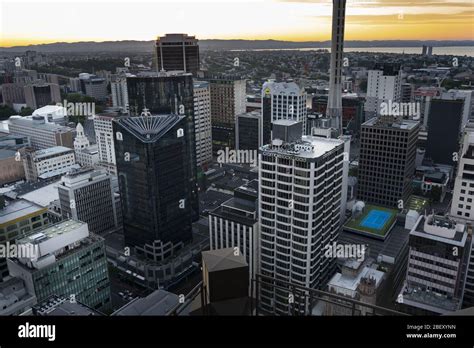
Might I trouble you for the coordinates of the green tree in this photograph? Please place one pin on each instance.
(26, 111)
(6, 112)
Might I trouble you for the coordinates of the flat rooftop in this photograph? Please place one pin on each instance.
(59, 306)
(58, 172)
(391, 247)
(17, 209)
(159, 302)
(372, 221)
(458, 237)
(308, 147)
(403, 124)
(52, 151)
(225, 211)
(43, 195)
(49, 232)
(38, 124)
(351, 283)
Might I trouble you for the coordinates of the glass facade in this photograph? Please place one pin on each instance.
(81, 274)
(168, 94)
(154, 170)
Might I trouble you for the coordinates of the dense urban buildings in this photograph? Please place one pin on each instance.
(181, 175)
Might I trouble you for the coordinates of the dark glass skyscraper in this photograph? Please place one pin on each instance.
(168, 93)
(177, 52)
(444, 130)
(154, 167)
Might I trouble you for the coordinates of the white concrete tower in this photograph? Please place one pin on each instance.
(334, 107)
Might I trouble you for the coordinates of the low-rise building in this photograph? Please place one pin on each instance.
(47, 163)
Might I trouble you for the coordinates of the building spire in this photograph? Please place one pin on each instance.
(334, 106)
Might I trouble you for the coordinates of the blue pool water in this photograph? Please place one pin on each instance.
(376, 219)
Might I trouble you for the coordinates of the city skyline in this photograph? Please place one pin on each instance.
(309, 20)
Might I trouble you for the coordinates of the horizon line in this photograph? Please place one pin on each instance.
(302, 42)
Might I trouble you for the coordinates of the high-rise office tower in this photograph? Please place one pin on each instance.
(202, 122)
(383, 85)
(105, 142)
(468, 102)
(282, 101)
(168, 93)
(334, 109)
(300, 189)
(69, 262)
(462, 206)
(87, 195)
(154, 169)
(437, 262)
(39, 95)
(177, 52)
(119, 94)
(248, 131)
(227, 101)
(444, 130)
(387, 161)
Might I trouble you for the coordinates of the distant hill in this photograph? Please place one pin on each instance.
(146, 46)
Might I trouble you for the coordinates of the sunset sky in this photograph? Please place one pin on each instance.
(25, 22)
